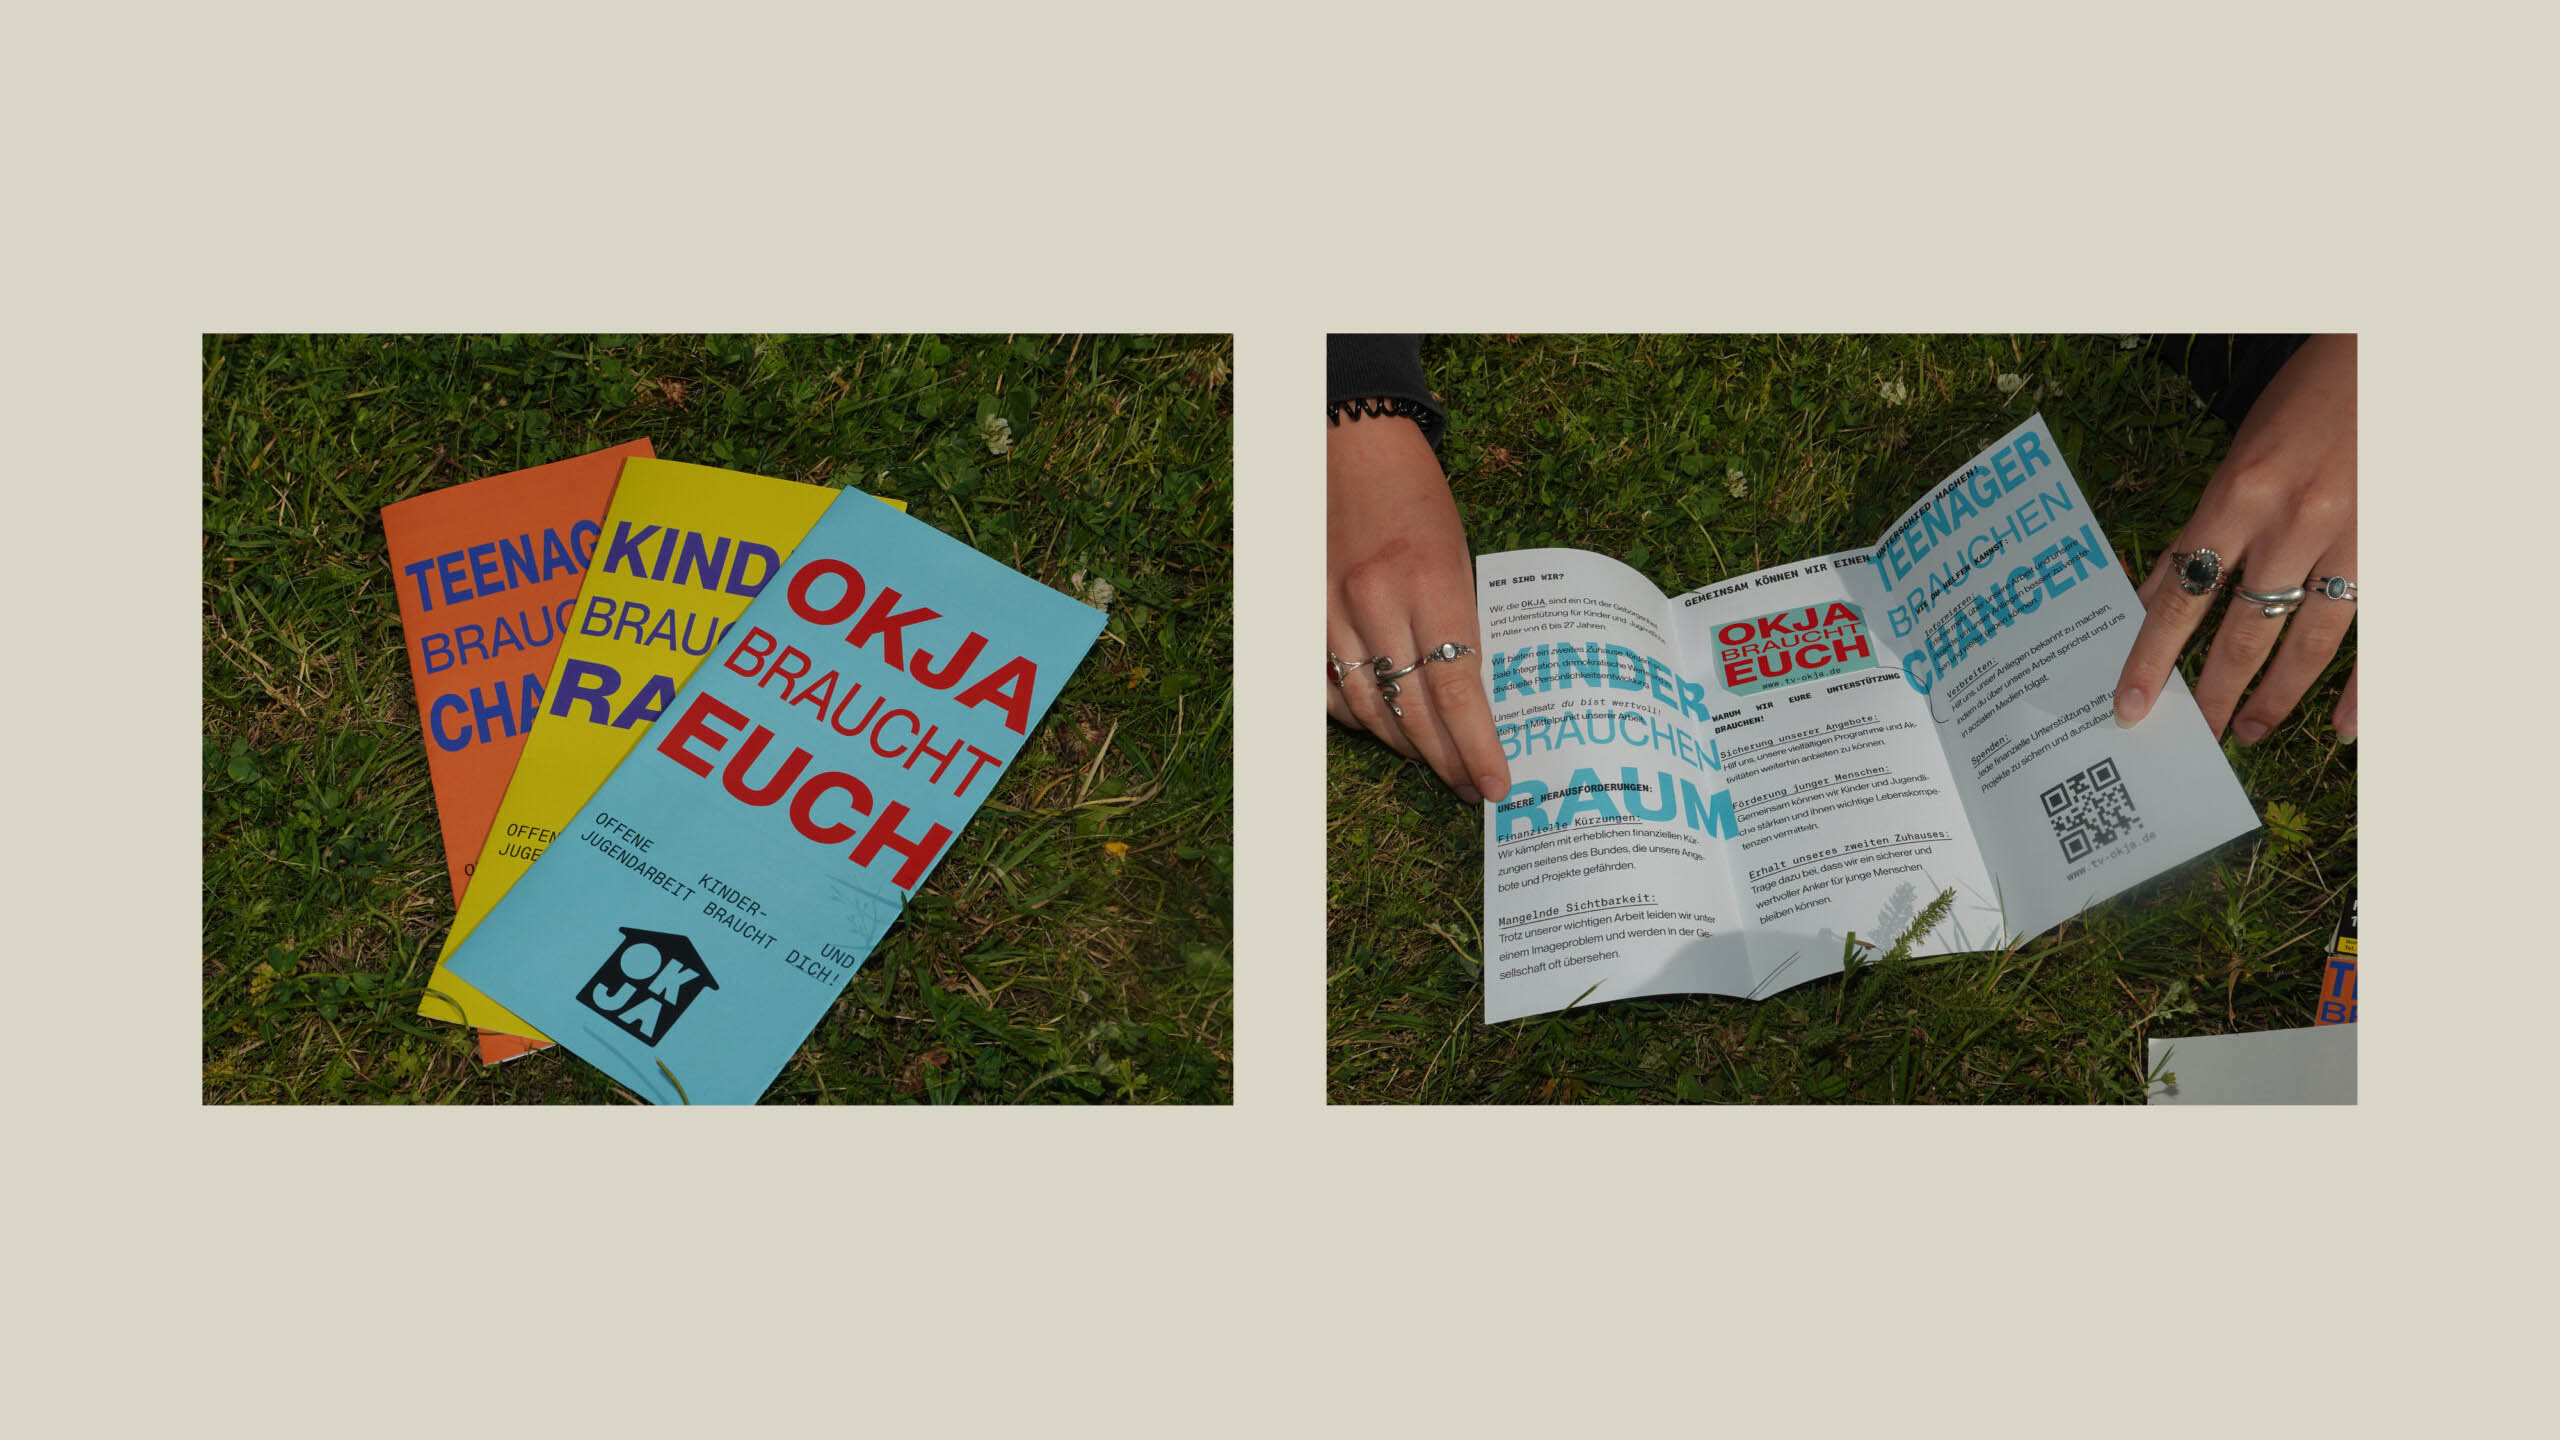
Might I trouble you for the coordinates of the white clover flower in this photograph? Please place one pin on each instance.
(2011, 384)
(1099, 597)
(997, 431)
(2128, 342)
(1893, 392)
(1735, 482)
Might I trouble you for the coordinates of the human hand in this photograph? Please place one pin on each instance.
(1399, 581)
(2280, 512)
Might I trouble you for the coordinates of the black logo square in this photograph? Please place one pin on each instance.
(647, 983)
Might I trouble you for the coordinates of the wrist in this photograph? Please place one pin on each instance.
(1385, 453)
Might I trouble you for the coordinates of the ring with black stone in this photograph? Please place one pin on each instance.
(2199, 570)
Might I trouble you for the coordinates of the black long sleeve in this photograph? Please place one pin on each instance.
(2229, 372)
(1388, 368)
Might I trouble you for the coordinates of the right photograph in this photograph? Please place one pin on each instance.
(1909, 719)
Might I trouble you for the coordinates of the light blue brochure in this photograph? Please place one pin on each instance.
(686, 932)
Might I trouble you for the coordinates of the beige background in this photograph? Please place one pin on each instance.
(1275, 1268)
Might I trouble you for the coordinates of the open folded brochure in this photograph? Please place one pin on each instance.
(1712, 793)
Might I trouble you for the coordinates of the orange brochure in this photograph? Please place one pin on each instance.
(2338, 974)
(487, 573)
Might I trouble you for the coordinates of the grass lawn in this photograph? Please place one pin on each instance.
(1075, 944)
(1698, 458)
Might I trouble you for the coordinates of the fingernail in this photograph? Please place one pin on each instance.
(1468, 794)
(2249, 731)
(2131, 705)
(1493, 785)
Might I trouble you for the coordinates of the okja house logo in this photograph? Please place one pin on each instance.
(1815, 642)
(647, 984)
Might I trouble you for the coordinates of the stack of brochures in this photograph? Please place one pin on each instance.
(695, 737)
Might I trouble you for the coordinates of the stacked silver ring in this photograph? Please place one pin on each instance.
(2274, 604)
(2200, 572)
(1385, 669)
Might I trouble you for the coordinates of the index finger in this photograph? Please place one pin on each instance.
(2168, 622)
(1457, 689)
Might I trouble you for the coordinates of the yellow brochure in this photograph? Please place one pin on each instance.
(685, 547)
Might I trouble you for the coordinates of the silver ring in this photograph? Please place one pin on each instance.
(2199, 570)
(2336, 587)
(1383, 667)
(2274, 604)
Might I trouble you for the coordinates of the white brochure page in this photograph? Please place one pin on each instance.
(2315, 1066)
(2011, 617)
(1605, 867)
(1851, 823)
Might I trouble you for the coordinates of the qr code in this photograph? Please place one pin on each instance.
(2090, 810)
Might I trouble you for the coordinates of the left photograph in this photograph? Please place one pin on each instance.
(802, 719)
